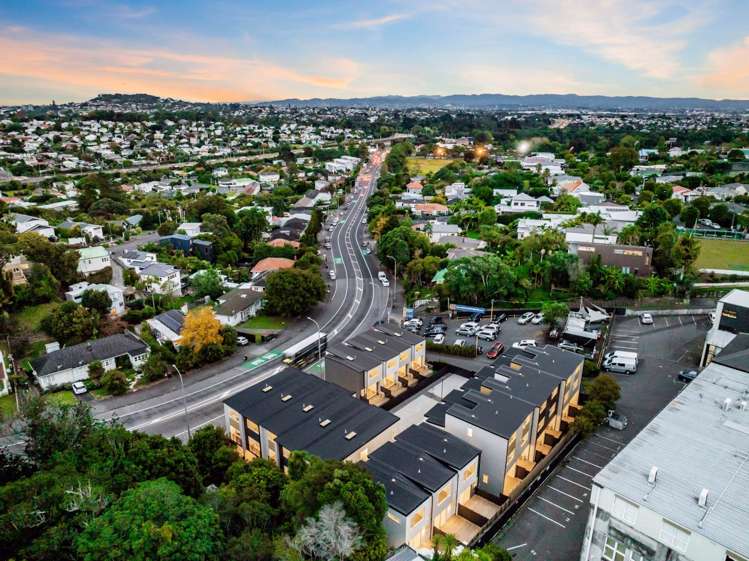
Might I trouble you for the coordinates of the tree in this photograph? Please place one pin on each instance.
(63, 262)
(200, 329)
(589, 418)
(167, 228)
(71, 323)
(329, 535)
(252, 223)
(152, 521)
(444, 546)
(566, 203)
(213, 453)
(554, 312)
(605, 390)
(721, 214)
(95, 372)
(115, 382)
(293, 292)
(155, 368)
(689, 215)
(98, 300)
(207, 283)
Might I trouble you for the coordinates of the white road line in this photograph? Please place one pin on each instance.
(556, 505)
(573, 482)
(617, 336)
(587, 462)
(602, 446)
(574, 498)
(547, 518)
(515, 547)
(581, 472)
(666, 320)
(609, 439)
(204, 423)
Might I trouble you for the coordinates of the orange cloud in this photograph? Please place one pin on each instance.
(93, 66)
(728, 70)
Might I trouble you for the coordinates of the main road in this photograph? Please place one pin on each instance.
(357, 300)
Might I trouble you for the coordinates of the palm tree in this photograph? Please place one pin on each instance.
(444, 545)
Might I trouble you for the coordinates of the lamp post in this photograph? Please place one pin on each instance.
(184, 401)
(319, 346)
(395, 281)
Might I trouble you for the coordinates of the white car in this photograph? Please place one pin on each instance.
(538, 318)
(242, 341)
(439, 339)
(470, 325)
(415, 322)
(385, 282)
(487, 334)
(331, 274)
(646, 319)
(526, 317)
(469, 330)
(79, 388)
(382, 276)
(460, 343)
(524, 344)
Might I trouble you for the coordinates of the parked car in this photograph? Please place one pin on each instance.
(79, 388)
(331, 274)
(499, 318)
(467, 330)
(487, 334)
(460, 342)
(622, 354)
(526, 317)
(439, 338)
(713, 316)
(385, 282)
(687, 375)
(436, 320)
(495, 350)
(418, 322)
(470, 324)
(622, 365)
(538, 318)
(524, 344)
(242, 341)
(437, 328)
(477, 316)
(646, 319)
(617, 421)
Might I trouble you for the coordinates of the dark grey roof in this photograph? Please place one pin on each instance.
(404, 553)
(400, 493)
(736, 353)
(237, 300)
(413, 464)
(440, 445)
(372, 347)
(172, 319)
(158, 270)
(86, 353)
(281, 410)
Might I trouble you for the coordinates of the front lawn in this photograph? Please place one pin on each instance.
(7, 406)
(264, 322)
(64, 397)
(423, 166)
(30, 318)
(723, 254)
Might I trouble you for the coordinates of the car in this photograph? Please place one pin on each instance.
(364, 244)
(331, 227)
(435, 329)
(385, 282)
(715, 226)
(646, 319)
(687, 375)
(460, 342)
(439, 338)
(487, 334)
(524, 344)
(467, 330)
(570, 346)
(499, 318)
(414, 321)
(713, 316)
(617, 421)
(495, 350)
(470, 324)
(526, 317)
(79, 388)
(436, 320)
(477, 316)
(242, 341)
(381, 275)
(331, 274)
(538, 318)
(327, 245)
(366, 251)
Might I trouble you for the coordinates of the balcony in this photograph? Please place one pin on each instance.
(420, 370)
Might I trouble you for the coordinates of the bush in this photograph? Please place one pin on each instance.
(590, 369)
(466, 351)
(115, 382)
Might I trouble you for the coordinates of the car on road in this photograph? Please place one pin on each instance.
(617, 421)
(331, 274)
(364, 244)
(366, 251)
(381, 275)
(687, 375)
(79, 388)
(418, 322)
(327, 245)
(439, 338)
(242, 341)
(495, 350)
(460, 342)
(538, 318)
(524, 344)
(646, 319)
(526, 317)
(468, 330)
(385, 282)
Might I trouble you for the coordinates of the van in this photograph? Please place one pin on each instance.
(382, 276)
(621, 365)
(623, 354)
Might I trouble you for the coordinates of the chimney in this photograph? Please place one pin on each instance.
(726, 404)
(653, 475)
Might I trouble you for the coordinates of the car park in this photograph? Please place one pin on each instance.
(79, 388)
(242, 341)
(538, 318)
(524, 344)
(439, 338)
(646, 319)
(495, 350)
(687, 375)
(526, 317)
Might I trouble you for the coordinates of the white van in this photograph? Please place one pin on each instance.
(382, 276)
(620, 364)
(622, 354)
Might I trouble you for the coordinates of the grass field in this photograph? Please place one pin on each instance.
(7, 406)
(422, 166)
(264, 322)
(30, 318)
(64, 397)
(723, 254)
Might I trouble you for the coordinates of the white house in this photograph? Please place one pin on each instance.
(519, 203)
(91, 231)
(238, 305)
(116, 295)
(269, 177)
(167, 326)
(161, 279)
(93, 259)
(191, 229)
(25, 223)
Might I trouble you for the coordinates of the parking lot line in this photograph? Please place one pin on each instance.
(574, 482)
(516, 547)
(626, 346)
(587, 462)
(602, 446)
(578, 471)
(574, 498)
(666, 320)
(556, 505)
(609, 439)
(547, 518)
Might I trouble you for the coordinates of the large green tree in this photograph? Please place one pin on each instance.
(293, 292)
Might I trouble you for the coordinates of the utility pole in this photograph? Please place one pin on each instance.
(184, 401)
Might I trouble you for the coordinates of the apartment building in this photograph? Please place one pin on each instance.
(731, 319)
(634, 259)
(679, 490)
(293, 410)
(378, 364)
(516, 412)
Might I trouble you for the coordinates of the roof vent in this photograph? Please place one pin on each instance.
(350, 435)
(653, 474)
(742, 405)
(267, 388)
(308, 407)
(286, 397)
(726, 404)
(324, 422)
(370, 349)
(349, 357)
(702, 500)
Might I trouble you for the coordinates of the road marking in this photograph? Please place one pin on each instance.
(563, 493)
(515, 547)
(556, 505)
(581, 472)
(547, 518)
(573, 482)
(587, 462)
(200, 425)
(609, 439)
(666, 320)
(680, 322)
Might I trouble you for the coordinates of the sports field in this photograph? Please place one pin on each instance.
(723, 254)
(422, 166)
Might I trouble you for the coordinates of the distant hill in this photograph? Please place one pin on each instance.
(118, 98)
(535, 101)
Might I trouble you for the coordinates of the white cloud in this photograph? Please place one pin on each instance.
(727, 72)
(373, 22)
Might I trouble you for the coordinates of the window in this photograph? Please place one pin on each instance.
(613, 550)
(625, 510)
(252, 426)
(394, 518)
(416, 518)
(443, 495)
(485, 479)
(468, 473)
(674, 537)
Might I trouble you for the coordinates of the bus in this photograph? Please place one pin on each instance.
(306, 351)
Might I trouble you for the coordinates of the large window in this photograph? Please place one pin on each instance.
(443, 494)
(613, 550)
(674, 537)
(416, 518)
(625, 511)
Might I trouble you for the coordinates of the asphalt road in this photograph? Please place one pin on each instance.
(356, 301)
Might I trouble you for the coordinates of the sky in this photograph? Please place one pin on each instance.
(252, 50)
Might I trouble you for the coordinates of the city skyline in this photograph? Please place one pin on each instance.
(71, 50)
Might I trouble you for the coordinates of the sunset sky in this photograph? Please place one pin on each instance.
(233, 50)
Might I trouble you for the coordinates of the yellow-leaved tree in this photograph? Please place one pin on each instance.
(201, 328)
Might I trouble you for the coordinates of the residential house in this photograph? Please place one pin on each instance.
(414, 187)
(456, 192)
(271, 264)
(115, 293)
(311, 199)
(238, 305)
(463, 247)
(93, 232)
(576, 187)
(683, 194)
(167, 326)
(161, 278)
(25, 223)
(633, 259)
(16, 268)
(93, 259)
(269, 177)
(528, 226)
(430, 209)
(543, 162)
(378, 364)
(190, 229)
(293, 411)
(588, 233)
(731, 320)
(70, 364)
(728, 191)
(133, 221)
(437, 230)
(518, 203)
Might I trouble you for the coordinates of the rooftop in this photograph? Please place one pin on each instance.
(237, 300)
(737, 298)
(272, 264)
(86, 353)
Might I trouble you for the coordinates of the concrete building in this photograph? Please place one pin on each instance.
(116, 295)
(731, 319)
(679, 491)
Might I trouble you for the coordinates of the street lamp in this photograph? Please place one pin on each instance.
(184, 401)
(319, 345)
(395, 281)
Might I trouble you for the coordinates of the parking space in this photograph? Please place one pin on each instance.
(551, 523)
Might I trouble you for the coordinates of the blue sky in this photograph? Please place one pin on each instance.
(232, 50)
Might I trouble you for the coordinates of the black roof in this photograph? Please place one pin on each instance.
(372, 347)
(400, 493)
(413, 464)
(88, 352)
(440, 445)
(307, 413)
(172, 319)
(736, 353)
